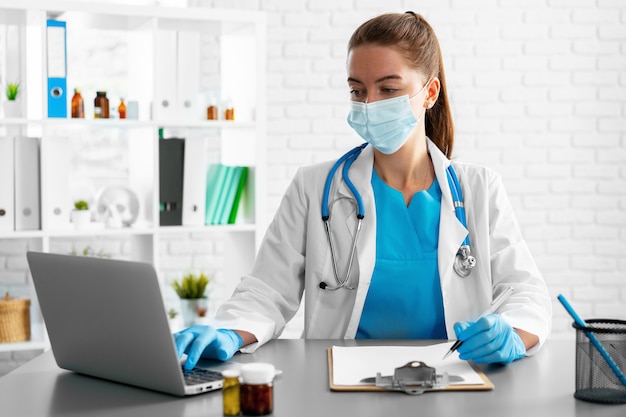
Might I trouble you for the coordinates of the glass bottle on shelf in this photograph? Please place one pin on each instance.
(101, 106)
(121, 109)
(229, 111)
(211, 110)
(78, 106)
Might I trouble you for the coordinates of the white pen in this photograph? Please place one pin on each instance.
(495, 305)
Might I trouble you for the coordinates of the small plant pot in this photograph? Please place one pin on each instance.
(81, 219)
(192, 308)
(12, 108)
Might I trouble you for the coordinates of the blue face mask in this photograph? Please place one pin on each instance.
(384, 124)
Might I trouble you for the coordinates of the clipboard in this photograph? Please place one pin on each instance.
(486, 386)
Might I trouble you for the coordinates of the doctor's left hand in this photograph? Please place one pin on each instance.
(207, 342)
(489, 340)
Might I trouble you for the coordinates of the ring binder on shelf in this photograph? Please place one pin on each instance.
(57, 68)
(27, 197)
(56, 212)
(194, 182)
(7, 176)
(171, 166)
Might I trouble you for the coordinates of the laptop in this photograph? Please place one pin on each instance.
(106, 318)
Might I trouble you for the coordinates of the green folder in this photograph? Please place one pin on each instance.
(223, 185)
(215, 177)
(229, 195)
(240, 187)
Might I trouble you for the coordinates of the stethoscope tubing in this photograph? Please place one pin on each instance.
(457, 199)
(352, 154)
(347, 160)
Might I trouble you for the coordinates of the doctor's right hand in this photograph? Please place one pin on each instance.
(207, 342)
(489, 340)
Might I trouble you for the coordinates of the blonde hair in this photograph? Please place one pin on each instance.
(411, 34)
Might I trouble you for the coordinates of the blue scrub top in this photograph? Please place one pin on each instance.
(404, 299)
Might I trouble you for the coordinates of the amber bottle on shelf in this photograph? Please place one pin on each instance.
(78, 106)
(101, 106)
(121, 109)
(211, 112)
(229, 111)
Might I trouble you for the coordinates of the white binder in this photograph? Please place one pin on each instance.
(27, 210)
(194, 182)
(58, 201)
(188, 76)
(165, 77)
(7, 205)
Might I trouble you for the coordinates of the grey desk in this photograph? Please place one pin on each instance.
(540, 385)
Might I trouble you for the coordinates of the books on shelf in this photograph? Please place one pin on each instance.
(225, 187)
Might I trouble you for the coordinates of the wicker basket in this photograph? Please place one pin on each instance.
(14, 319)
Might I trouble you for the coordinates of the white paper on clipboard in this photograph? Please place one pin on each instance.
(351, 364)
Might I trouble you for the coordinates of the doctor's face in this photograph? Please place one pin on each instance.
(381, 72)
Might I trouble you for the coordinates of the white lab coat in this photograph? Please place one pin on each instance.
(295, 257)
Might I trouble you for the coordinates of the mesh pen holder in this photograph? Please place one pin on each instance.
(596, 381)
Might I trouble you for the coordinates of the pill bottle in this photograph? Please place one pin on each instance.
(229, 110)
(211, 110)
(257, 389)
(121, 109)
(78, 106)
(230, 392)
(101, 105)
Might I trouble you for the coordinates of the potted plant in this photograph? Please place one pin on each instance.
(191, 291)
(12, 105)
(81, 215)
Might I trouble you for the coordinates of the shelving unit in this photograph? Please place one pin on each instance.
(210, 52)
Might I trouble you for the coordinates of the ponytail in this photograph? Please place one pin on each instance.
(438, 119)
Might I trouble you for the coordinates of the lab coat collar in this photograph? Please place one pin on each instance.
(360, 174)
(451, 230)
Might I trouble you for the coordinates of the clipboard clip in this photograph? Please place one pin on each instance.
(413, 378)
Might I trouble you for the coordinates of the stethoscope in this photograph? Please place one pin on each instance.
(464, 262)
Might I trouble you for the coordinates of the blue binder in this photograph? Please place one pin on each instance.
(57, 68)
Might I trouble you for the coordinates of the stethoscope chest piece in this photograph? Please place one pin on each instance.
(464, 261)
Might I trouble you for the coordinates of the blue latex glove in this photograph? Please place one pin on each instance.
(207, 342)
(489, 340)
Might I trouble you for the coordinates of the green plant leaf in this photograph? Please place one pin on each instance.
(81, 205)
(191, 286)
(12, 90)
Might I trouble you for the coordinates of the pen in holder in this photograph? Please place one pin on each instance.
(600, 358)
(596, 380)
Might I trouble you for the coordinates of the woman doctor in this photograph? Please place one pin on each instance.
(402, 283)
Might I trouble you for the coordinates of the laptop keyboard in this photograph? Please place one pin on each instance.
(199, 376)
